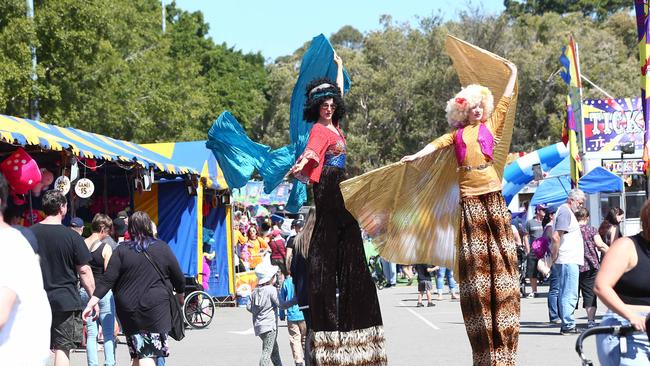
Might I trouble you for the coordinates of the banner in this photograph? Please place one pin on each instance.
(570, 73)
(608, 123)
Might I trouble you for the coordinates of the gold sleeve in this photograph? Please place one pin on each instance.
(498, 118)
(443, 141)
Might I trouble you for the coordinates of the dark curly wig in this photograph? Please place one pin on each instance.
(316, 96)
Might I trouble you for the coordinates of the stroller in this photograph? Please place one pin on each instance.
(376, 272)
(617, 330)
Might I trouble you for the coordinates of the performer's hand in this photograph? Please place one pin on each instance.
(408, 158)
(338, 60)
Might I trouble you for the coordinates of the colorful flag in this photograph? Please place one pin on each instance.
(571, 75)
(642, 28)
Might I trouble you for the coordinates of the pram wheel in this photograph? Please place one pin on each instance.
(198, 309)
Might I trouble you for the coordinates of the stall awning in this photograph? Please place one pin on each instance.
(84, 144)
(193, 154)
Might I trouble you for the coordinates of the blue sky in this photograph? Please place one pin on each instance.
(277, 28)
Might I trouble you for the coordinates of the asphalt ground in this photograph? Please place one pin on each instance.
(415, 336)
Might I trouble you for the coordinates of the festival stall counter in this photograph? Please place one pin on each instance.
(98, 173)
(194, 216)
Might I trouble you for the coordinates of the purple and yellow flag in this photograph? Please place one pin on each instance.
(642, 28)
(571, 75)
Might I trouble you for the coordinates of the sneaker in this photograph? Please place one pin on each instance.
(555, 321)
(531, 295)
(439, 297)
(591, 324)
(419, 305)
(430, 304)
(570, 331)
(455, 296)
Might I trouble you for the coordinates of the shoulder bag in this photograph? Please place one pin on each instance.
(177, 331)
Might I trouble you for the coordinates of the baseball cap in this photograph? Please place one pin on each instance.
(298, 222)
(540, 206)
(551, 210)
(76, 222)
(122, 214)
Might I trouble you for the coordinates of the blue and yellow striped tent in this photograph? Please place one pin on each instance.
(80, 143)
(180, 217)
(193, 154)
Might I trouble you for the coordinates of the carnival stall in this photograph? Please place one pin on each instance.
(193, 215)
(98, 173)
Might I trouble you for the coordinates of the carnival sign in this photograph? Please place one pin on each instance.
(608, 123)
(62, 184)
(84, 188)
(627, 166)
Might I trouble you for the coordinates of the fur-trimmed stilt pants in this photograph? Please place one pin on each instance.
(489, 280)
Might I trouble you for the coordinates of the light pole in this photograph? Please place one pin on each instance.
(626, 148)
(34, 112)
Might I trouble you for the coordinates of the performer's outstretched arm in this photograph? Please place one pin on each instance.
(510, 87)
(339, 72)
(442, 141)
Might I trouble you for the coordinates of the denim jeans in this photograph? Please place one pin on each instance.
(390, 271)
(554, 295)
(609, 351)
(569, 278)
(440, 280)
(107, 320)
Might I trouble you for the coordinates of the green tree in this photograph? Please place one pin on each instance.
(600, 9)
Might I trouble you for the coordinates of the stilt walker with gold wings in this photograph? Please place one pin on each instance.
(443, 205)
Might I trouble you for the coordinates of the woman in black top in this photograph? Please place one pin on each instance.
(142, 302)
(102, 226)
(623, 285)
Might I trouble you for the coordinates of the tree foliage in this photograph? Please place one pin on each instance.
(599, 9)
(106, 66)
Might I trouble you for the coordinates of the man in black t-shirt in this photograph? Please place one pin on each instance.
(296, 226)
(63, 255)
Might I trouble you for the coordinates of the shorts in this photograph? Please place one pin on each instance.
(531, 266)
(281, 264)
(147, 345)
(425, 286)
(586, 286)
(66, 331)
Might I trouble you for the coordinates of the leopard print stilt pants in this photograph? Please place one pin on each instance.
(489, 280)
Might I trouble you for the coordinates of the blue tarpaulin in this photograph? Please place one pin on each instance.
(555, 191)
(601, 180)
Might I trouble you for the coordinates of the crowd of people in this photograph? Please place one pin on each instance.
(54, 282)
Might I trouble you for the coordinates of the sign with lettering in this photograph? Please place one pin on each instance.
(627, 166)
(608, 123)
(84, 188)
(62, 184)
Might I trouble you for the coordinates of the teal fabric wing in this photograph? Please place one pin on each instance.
(238, 156)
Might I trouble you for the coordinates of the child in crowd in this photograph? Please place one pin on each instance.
(424, 282)
(264, 305)
(295, 321)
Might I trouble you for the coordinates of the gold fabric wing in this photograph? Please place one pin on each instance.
(412, 210)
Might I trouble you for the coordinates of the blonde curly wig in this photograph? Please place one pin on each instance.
(458, 107)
